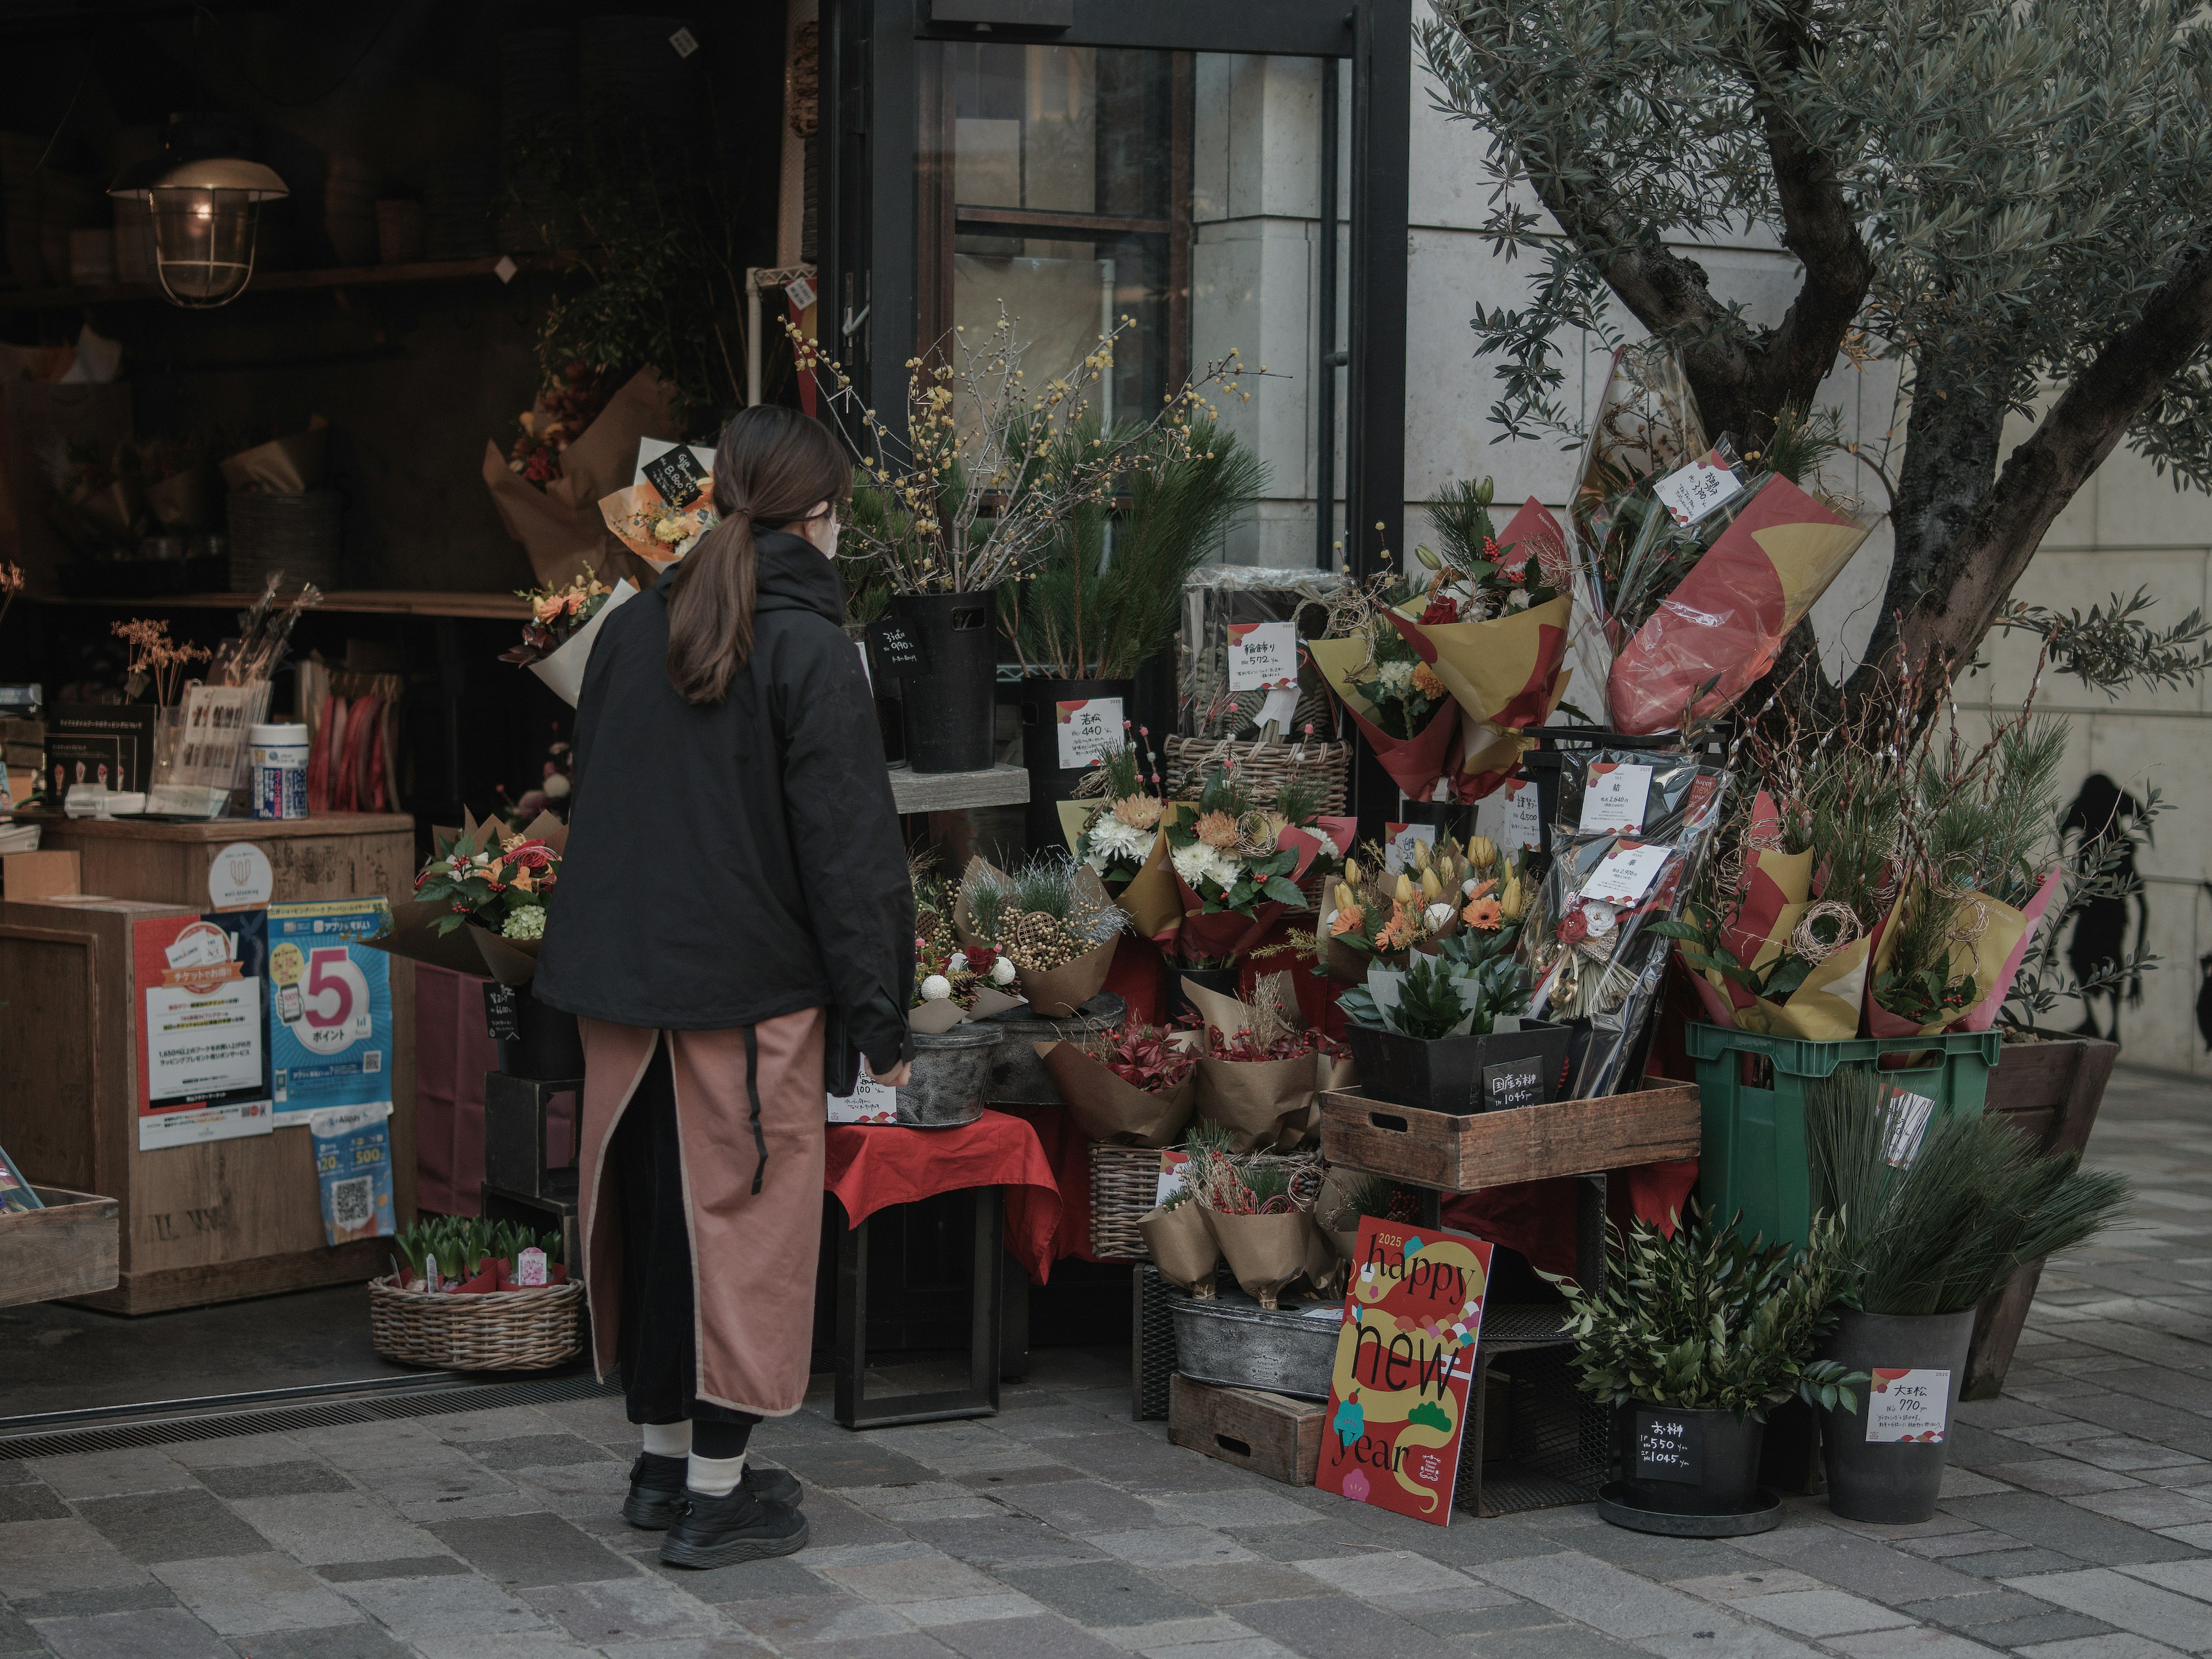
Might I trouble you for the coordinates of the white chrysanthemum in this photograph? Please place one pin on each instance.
(1396, 679)
(1198, 861)
(1002, 971)
(1111, 838)
(936, 988)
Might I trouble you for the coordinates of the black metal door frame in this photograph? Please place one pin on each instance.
(869, 226)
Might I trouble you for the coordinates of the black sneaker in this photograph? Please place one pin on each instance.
(715, 1532)
(656, 1491)
(771, 1486)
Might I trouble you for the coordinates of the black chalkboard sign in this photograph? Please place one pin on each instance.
(899, 651)
(503, 1013)
(1513, 1083)
(1669, 1446)
(678, 476)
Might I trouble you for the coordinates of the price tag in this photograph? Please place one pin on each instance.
(1398, 850)
(871, 1102)
(678, 476)
(1696, 490)
(1908, 1405)
(684, 41)
(799, 292)
(1669, 1446)
(1613, 797)
(1623, 874)
(1908, 1125)
(1089, 730)
(503, 1013)
(530, 1267)
(1511, 818)
(1262, 656)
(1172, 1165)
(899, 653)
(1512, 1083)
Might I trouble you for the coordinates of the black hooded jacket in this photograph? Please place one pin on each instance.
(733, 862)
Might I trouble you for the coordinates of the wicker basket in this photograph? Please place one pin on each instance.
(1261, 767)
(496, 1331)
(1124, 1183)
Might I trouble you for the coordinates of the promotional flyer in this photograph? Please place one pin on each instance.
(330, 1008)
(203, 1056)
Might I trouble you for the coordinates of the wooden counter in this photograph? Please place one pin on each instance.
(220, 1219)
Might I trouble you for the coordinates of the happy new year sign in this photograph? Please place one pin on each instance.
(1405, 1365)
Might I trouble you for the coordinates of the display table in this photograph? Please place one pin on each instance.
(215, 1220)
(868, 1168)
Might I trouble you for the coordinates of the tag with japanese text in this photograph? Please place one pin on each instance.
(1614, 793)
(1623, 874)
(1262, 656)
(1089, 730)
(1694, 490)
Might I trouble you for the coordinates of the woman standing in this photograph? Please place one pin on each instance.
(734, 918)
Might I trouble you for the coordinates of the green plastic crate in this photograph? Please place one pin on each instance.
(1753, 1158)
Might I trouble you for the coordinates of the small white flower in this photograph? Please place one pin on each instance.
(1437, 916)
(1467, 888)
(1002, 971)
(1396, 679)
(956, 963)
(936, 988)
(557, 786)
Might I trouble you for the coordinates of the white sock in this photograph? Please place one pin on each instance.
(714, 1477)
(669, 1439)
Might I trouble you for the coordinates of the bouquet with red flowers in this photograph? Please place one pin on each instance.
(1133, 1083)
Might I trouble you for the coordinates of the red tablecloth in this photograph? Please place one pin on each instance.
(870, 1167)
(1068, 1150)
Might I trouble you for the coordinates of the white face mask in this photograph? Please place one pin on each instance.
(820, 528)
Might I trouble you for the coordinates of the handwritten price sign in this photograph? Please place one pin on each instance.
(1262, 656)
(1089, 730)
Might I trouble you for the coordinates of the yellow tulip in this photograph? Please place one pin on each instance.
(1431, 888)
(1510, 904)
(1483, 851)
(1404, 894)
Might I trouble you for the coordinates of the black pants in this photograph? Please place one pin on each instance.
(656, 1346)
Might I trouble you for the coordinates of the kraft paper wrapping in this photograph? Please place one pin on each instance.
(468, 949)
(1106, 1106)
(1225, 935)
(1183, 1246)
(936, 1019)
(1994, 959)
(1723, 626)
(1266, 1252)
(1153, 897)
(1325, 1263)
(561, 527)
(1267, 1105)
(1414, 763)
(289, 465)
(1057, 992)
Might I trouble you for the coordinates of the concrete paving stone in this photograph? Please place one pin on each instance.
(1239, 1582)
(1466, 1542)
(322, 1527)
(1970, 1540)
(628, 1610)
(1985, 1606)
(904, 1645)
(1007, 1540)
(415, 1609)
(1598, 1594)
(1388, 1577)
(1820, 1613)
(879, 1500)
(411, 1566)
(1053, 1422)
(497, 1423)
(1085, 1506)
(743, 1580)
(170, 1526)
(31, 1500)
(783, 1621)
(2154, 1508)
(1911, 1644)
(969, 1507)
(2126, 1454)
(1860, 1565)
(723, 1644)
(1302, 1541)
(1733, 1586)
(113, 1474)
(929, 1579)
(969, 1609)
(505, 1644)
(1658, 1559)
(453, 1480)
(2012, 1564)
(252, 1594)
(2195, 1476)
(1126, 1458)
(1184, 1633)
(525, 1451)
(832, 1524)
(2189, 1577)
(13, 1469)
(1250, 1507)
(2043, 1627)
(286, 1480)
(2128, 1603)
(2067, 1528)
(2004, 1413)
(17, 1636)
(234, 1450)
(372, 1446)
(1029, 1474)
(1034, 1637)
(1729, 1640)
(1548, 1642)
(2060, 1477)
(857, 1462)
(1104, 1595)
(1168, 1546)
(2052, 1430)
(84, 1603)
(529, 1550)
(2118, 1645)
(169, 1633)
(1334, 1627)
(1964, 1483)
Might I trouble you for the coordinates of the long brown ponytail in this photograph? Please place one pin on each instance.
(772, 466)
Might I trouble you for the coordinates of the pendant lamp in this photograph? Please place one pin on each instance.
(206, 211)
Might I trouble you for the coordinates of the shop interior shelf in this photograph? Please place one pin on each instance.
(953, 791)
(269, 282)
(394, 602)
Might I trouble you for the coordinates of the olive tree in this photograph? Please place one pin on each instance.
(2013, 198)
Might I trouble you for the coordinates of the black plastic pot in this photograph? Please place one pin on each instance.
(1685, 1462)
(1223, 980)
(535, 1042)
(1051, 783)
(948, 715)
(1461, 1075)
(1892, 1481)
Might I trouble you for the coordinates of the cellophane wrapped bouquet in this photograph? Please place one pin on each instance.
(1372, 916)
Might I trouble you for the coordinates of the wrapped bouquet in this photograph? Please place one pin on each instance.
(1052, 920)
(479, 903)
(1133, 1083)
(557, 640)
(1237, 866)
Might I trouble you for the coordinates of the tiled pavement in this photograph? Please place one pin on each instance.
(2076, 1524)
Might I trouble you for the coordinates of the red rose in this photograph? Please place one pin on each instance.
(981, 959)
(1441, 609)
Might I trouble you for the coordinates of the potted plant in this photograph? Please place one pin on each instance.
(1105, 597)
(1443, 1039)
(1694, 1335)
(1935, 1213)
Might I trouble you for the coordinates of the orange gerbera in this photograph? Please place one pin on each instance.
(1484, 889)
(1484, 915)
(1401, 930)
(1218, 831)
(1350, 920)
(1426, 682)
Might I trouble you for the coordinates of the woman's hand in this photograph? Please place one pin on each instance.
(897, 1078)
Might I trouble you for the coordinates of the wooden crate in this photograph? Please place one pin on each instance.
(221, 1219)
(66, 1249)
(1269, 1434)
(1465, 1153)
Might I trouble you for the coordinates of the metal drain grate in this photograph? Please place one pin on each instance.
(337, 1413)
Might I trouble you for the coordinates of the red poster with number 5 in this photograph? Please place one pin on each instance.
(330, 1006)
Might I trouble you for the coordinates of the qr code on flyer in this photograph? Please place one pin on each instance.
(353, 1203)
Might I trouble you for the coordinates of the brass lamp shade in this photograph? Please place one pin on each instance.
(206, 212)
